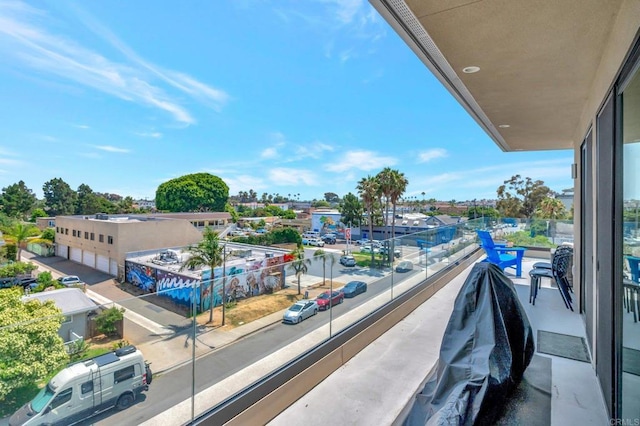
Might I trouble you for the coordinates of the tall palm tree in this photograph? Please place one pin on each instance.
(300, 265)
(209, 252)
(385, 181)
(368, 191)
(398, 185)
(323, 256)
(18, 234)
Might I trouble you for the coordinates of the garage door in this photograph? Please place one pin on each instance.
(89, 258)
(76, 254)
(62, 251)
(114, 268)
(102, 264)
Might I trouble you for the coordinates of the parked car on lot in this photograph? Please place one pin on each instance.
(404, 266)
(362, 242)
(316, 242)
(300, 311)
(323, 299)
(329, 239)
(369, 249)
(354, 288)
(70, 280)
(347, 260)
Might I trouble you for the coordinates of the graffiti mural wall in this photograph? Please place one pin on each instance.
(142, 276)
(178, 288)
(243, 279)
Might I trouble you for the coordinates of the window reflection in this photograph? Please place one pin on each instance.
(631, 250)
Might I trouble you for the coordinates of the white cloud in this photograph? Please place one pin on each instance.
(432, 154)
(47, 52)
(290, 177)
(244, 183)
(155, 135)
(345, 10)
(313, 150)
(267, 153)
(361, 160)
(81, 126)
(110, 148)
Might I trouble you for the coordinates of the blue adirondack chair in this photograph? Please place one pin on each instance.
(503, 257)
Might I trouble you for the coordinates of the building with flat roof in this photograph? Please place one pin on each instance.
(102, 241)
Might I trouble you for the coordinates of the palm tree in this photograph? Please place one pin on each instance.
(398, 185)
(368, 191)
(18, 234)
(385, 188)
(322, 256)
(209, 253)
(300, 265)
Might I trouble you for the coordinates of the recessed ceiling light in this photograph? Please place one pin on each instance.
(504, 126)
(470, 70)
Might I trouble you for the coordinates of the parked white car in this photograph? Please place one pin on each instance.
(70, 280)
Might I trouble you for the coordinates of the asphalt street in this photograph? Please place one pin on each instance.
(175, 386)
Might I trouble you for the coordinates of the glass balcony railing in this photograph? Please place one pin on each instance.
(195, 362)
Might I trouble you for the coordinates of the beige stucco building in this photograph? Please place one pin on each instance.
(102, 241)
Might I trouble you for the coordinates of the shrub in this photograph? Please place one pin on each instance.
(77, 349)
(107, 319)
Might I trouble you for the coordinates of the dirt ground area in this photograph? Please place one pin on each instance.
(247, 310)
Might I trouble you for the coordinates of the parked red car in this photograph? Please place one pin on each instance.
(323, 299)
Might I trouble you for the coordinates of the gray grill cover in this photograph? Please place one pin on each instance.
(486, 348)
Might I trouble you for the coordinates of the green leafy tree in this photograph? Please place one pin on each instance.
(125, 205)
(194, 192)
(368, 188)
(209, 252)
(289, 214)
(522, 193)
(234, 214)
(351, 209)
(17, 200)
(36, 213)
(87, 201)
(49, 234)
(285, 236)
(106, 320)
(300, 265)
(320, 203)
(59, 198)
(30, 348)
(551, 208)
(331, 197)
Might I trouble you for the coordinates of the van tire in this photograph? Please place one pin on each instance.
(125, 401)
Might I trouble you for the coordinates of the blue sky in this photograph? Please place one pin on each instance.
(287, 97)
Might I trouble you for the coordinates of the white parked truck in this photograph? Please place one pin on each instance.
(88, 387)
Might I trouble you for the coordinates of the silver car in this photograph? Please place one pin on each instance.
(300, 311)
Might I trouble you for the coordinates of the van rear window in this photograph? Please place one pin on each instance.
(123, 374)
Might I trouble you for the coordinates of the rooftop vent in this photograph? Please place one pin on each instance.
(102, 216)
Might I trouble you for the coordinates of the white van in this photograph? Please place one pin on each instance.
(311, 234)
(87, 388)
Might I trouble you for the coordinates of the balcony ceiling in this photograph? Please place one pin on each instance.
(538, 60)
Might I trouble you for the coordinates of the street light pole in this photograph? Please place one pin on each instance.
(224, 279)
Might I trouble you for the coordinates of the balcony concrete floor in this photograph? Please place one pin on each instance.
(375, 385)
